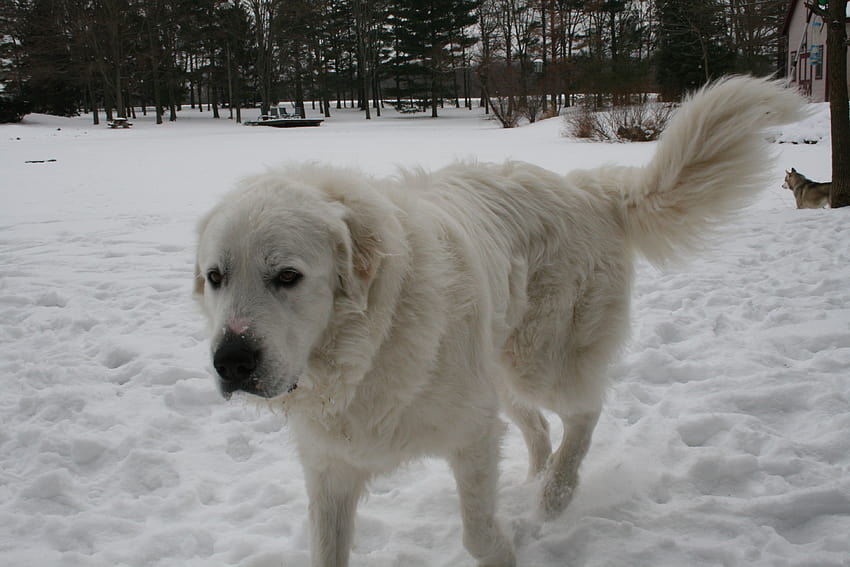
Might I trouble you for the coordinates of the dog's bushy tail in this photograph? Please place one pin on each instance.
(710, 161)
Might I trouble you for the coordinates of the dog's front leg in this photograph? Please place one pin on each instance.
(334, 491)
(476, 472)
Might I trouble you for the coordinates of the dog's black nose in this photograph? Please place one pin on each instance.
(235, 361)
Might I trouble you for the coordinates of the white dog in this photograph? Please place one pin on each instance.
(393, 319)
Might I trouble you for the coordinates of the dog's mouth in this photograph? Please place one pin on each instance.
(253, 388)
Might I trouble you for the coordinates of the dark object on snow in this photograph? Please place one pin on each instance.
(278, 117)
(119, 123)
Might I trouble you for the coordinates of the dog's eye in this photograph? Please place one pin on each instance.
(287, 277)
(215, 278)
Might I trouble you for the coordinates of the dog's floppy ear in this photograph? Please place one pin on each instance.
(359, 254)
(793, 170)
(200, 281)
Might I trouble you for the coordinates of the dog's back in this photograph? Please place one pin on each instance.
(808, 194)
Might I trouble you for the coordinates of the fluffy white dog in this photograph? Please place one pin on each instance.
(393, 319)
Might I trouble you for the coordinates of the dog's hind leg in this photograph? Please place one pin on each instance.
(475, 468)
(535, 431)
(561, 476)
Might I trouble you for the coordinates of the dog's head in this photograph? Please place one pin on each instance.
(276, 260)
(790, 179)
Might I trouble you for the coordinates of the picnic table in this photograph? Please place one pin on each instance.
(119, 123)
(408, 107)
(278, 117)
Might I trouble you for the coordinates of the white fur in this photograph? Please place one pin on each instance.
(433, 300)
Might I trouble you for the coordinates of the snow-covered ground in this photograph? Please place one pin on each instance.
(725, 441)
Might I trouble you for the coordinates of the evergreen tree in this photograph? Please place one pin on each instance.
(427, 32)
(236, 28)
(49, 67)
(692, 47)
(12, 105)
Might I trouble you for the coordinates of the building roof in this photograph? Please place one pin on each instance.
(789, 13)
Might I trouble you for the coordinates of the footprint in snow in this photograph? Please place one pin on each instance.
(117, 357)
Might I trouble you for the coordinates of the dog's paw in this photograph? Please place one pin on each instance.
(557, 492)
(507, 560)
(491, 547)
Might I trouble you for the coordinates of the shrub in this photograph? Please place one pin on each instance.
(12, 109)
(633, 123)
(505, 110)
(533, 107)
(585, 124)
(640, 123)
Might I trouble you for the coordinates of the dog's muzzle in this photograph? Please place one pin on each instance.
(235, 360)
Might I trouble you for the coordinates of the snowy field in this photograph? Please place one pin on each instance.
(725, 440)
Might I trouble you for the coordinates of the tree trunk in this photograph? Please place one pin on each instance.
(839, 120)
(299, 86)
(94, 110)
(212, 89)
(192, 85)
(172, 104)
(362, 27)
(229, 83)
(119, 95)
(154, 54)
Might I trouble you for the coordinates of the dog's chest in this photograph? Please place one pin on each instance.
(375, 443)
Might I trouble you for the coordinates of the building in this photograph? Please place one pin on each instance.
(805, 33)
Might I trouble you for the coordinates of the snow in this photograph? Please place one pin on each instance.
(724, 440)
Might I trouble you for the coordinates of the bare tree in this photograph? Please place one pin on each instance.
(754, 28)
(511, 32)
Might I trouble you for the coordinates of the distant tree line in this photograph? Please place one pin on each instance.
(520, 58)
